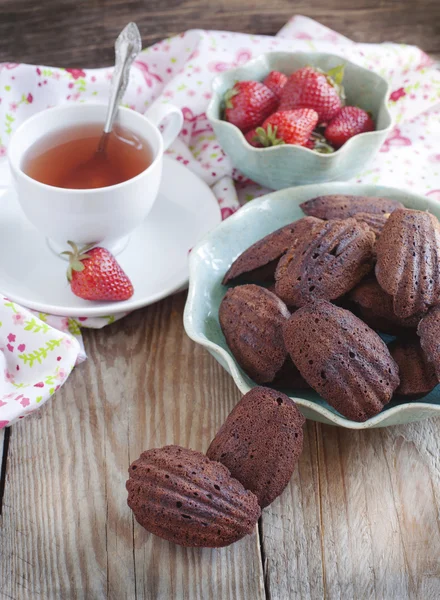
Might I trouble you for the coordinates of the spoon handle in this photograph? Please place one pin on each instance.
(127, 47)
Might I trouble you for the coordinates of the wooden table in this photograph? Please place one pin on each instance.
(360, 518)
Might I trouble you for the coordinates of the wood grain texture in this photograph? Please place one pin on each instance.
(291, 532)
(86, 29)
(2, 437)
(66, 529)
(379, 512)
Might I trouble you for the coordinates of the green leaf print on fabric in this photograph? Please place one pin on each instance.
(35, 327)
(74, 327)
(40, 354)
(12, 306)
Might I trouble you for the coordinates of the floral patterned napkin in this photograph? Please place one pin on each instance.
(38, 351)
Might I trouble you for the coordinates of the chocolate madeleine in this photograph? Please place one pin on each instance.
(337, 258)
(416, 373)
(375, 307)
(251, 319)
(257, 264)
(344, 360)
(184, 497)
(340, 206)
(429, 333)
(408, 261)
(260, 442)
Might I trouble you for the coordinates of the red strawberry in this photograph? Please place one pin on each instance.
(248, 103)
(348, 122)
(288, 127)
(275, 81)
(94, 274)
(311, 88)
(252, 139)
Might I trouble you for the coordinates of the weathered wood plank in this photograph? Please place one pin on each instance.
(380, 511)
(379, 507)
(85, 31)
(2, 474)
(66, 529)
(291, 532)
(2, 437)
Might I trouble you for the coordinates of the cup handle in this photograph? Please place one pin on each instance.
(158, 112)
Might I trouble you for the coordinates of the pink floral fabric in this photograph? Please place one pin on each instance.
(180, 70)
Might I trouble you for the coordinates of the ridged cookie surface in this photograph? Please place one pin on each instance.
(344, 360)
(258, 263)
(408, 261)
(332, 263)
(182, 496)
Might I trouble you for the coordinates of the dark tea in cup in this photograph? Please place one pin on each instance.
(69, 159)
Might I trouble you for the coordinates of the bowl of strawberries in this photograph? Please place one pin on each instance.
(294, 118)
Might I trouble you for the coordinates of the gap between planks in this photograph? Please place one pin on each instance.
(4, 442)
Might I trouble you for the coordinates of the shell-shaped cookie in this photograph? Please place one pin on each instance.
(182, 496)
(408, 261)
(375, 307)
(429, 333)
(417, 375)
(332, 263)
(259, 261)
(260, 442)
(340, 206)
(251, 319)
(344, 360)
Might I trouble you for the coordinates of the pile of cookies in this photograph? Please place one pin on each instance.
(215, 499)
(304, 308)
(309, 300)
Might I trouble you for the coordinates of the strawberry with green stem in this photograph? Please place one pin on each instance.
(248, 103)
(287, 127)
(95, 274)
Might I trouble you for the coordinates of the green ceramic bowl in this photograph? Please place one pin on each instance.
(279, 167)
(211, 258)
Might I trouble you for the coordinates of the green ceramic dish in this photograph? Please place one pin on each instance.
(279, 167)
(211, 258)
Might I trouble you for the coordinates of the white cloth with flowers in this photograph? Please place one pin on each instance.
(37, 352)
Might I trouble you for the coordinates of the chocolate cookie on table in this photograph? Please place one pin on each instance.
(260, 442)
(251, 319)
(184, 497)
(339, 255)
(429, 333)
(344, 360)
(258, 263)
(341, 206)
(408, 261)
(416, 373)
(375, 307)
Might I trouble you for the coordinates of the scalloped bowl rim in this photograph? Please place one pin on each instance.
(348, 146)
(234, 371)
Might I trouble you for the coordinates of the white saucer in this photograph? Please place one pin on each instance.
(156, 258)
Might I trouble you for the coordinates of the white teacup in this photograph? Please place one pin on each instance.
(103, 215)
